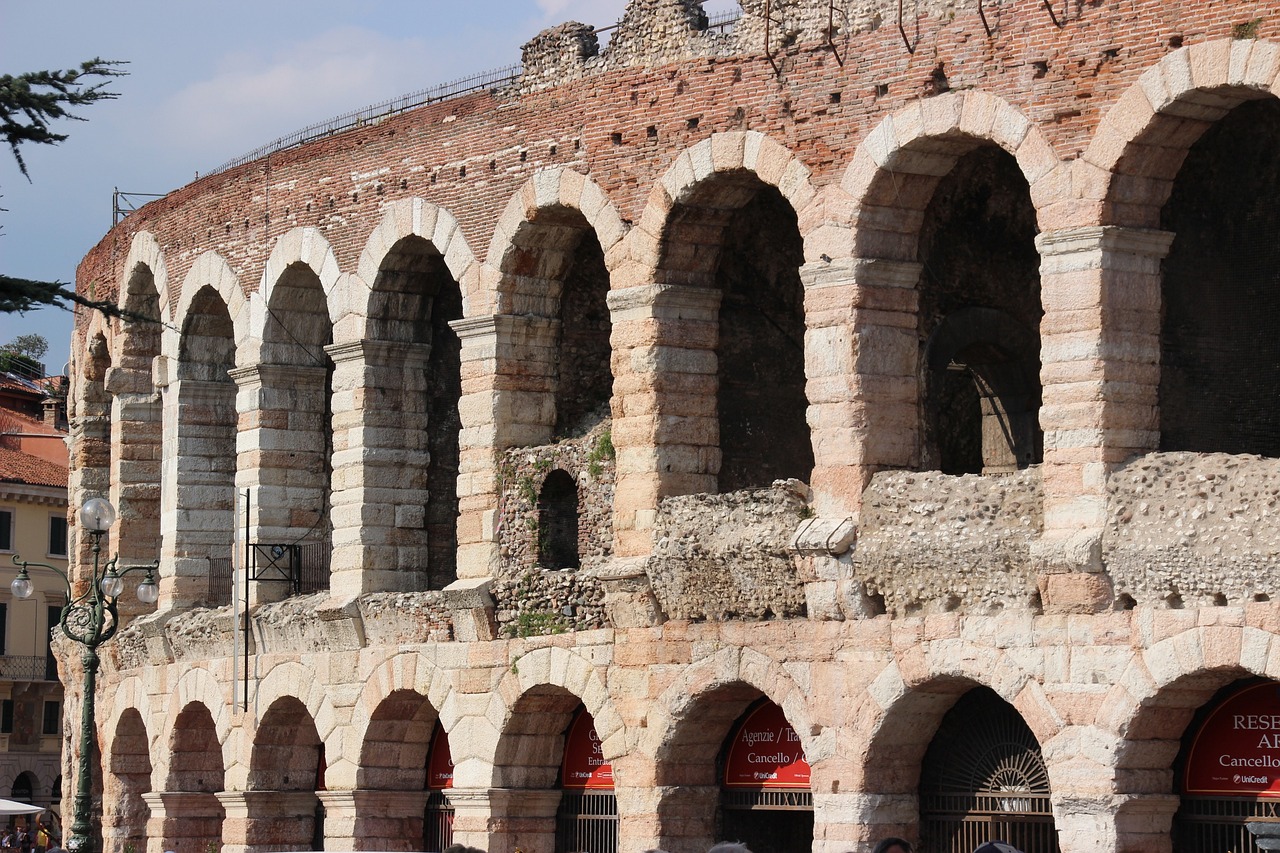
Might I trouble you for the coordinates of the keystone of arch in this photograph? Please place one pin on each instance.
(417, 217)
(211, 269)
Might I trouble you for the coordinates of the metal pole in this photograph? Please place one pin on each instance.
(81, 840)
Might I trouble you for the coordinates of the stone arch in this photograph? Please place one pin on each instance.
(211, 270)
(197, 686)
(907, 701)
(689, 723)
(559, 680)
(1142, 719)
(294, 680)
(417, 217)
(145, 251)
(892, 174)
(400, 674)
(550, 189)
(1140, 143)
(727, 152)
(127, 779)
(306, 246)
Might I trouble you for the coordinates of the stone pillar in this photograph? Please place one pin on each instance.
(280, 453)
(262, 821)
(1100, 372)
(1138, 823)
(508, 400)
(664, 403)
(135, 465)
(380, 461)
(373, 820)
(198, 488)
(638, 798)
(500, 820)
(861, 354)
(688, 816)
(183, 821)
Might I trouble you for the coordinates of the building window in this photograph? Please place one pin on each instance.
(6, 530)
(6, 716)
(52, 717)
(57, 536)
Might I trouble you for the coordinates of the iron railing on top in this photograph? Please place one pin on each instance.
(493, 79)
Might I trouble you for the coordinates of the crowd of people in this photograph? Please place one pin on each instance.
(26, 839)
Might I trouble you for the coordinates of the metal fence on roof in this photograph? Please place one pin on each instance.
(494, 79)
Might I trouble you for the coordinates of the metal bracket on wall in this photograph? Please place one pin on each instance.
(768, 27)
(831, 30)
(911, 46)
(1052, 14)
(983, 15)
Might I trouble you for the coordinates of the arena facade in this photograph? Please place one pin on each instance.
(899, 374)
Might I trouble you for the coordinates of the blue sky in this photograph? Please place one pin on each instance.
(210, 81)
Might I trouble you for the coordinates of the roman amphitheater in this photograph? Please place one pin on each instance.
(847, 419)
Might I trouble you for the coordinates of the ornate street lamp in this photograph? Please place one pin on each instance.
(90, 619)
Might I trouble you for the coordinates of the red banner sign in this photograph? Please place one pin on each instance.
(439, 761)
(765, 753)
(584, 766)
(1237, 750)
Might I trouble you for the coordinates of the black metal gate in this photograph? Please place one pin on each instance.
(1213, 824)
(984, 779)
(587, 822)
(779, 821)
(437, 828)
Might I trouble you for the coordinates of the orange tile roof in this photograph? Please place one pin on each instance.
(19, 467)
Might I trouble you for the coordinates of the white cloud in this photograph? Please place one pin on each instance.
(252, 99)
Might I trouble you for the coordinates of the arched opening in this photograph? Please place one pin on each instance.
(92, 452)
(707, 799)
(979, 319)
(587, 817)
(288, 757)
(558, 522)
(414, 301)
(292, 444)
(24, 787)
(137, 419)
(984, 779)
(765, 798)
(125, 817)
(402, 744)
(737, 239)
(195, 775)
(206, 452)
(1225, 770)
(1219, 354)
(437, 817)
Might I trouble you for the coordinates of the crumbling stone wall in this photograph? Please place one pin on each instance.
(538, 602)
(725, 556)
(1193, 529)
(932, 543)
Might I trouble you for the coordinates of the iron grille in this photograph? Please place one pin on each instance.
(1218, 824)
(24, 668)
(437, 829)
(219, 580)
(305, 567)
(587, 821)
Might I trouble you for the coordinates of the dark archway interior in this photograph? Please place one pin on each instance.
(584, 376)
(764, 435)
(1219, 351)
(558, 522)
(394, 755)
(980, 309)
(532, 744)
(130, 769)
(195, 762)
(287, 752)
(415, 299)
